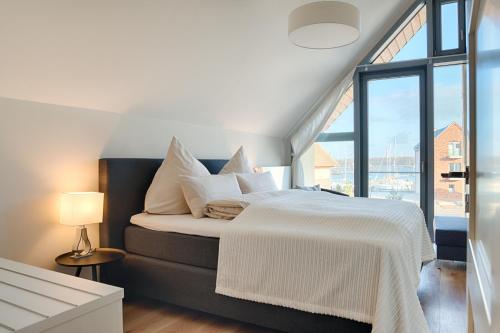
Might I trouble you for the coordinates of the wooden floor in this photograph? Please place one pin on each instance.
(441, 293)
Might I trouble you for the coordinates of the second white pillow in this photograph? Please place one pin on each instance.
(237, 164)
(256, 182)
(198, 191)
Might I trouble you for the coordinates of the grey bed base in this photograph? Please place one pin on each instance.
(124, 183)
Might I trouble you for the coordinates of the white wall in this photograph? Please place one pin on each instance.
(207, 62)
(48, 149)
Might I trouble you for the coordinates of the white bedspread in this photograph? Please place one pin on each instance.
(355, 258)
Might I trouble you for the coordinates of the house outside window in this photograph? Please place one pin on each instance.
(448, 193)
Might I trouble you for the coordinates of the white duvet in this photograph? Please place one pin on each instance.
(355, 258)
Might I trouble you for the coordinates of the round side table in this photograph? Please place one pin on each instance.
(99, 257)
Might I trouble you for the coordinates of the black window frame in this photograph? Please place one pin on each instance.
(421, 70)
(437, 38)
(435, 57)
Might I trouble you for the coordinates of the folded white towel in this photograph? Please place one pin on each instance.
(224, 209)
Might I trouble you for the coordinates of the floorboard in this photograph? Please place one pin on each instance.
(441, 293)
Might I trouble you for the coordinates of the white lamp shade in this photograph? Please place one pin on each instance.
(324, 25)
(80, 208)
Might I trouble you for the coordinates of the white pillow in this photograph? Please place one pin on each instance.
(256, 182)
(237, 164)
(198, 191)
(165, 195)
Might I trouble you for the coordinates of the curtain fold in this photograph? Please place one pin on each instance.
(307, 133)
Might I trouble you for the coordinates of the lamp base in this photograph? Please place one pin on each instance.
(78, 255)
(81, 238)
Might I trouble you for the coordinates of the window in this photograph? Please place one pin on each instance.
(409, 43)
(330, 160)
(450, 105)
(342, 118)
(454, 150)
(400, 147)
(394, 130)
(449, 27)
(380, 142)
(334, 165)
(409, 40)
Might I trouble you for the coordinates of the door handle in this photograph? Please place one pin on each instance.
(458, 174)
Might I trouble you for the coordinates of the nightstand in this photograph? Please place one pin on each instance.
(99, 257)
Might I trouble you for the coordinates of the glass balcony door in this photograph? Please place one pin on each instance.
(394, 136)
(450, 139)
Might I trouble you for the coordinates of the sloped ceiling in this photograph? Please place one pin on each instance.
(224, 63)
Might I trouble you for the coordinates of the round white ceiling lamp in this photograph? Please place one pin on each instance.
(324, 25)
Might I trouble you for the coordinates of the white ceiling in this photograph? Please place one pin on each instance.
(215, 62)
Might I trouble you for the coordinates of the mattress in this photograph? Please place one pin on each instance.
(184, 224)
(176, 238)
(186, 249)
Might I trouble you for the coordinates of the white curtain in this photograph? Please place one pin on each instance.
(307, 132)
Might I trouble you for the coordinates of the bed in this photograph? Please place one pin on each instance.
(269, 255)
(183, 272)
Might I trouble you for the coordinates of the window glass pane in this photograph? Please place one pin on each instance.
(344, 122)
(455, 167)
(416, 48)
(454, 150)
(410, 43)
(330, 164)
(342, 118)
(394, 138)
(449, 25)
(449, 105)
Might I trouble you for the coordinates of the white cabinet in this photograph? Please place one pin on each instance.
(33, 299)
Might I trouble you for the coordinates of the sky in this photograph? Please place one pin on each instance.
(393, 104)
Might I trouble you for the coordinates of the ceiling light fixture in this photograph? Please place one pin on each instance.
(324, 25)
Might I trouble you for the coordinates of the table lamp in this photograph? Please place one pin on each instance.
(79, 209)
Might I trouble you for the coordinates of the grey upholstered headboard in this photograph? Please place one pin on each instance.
(124, 182)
